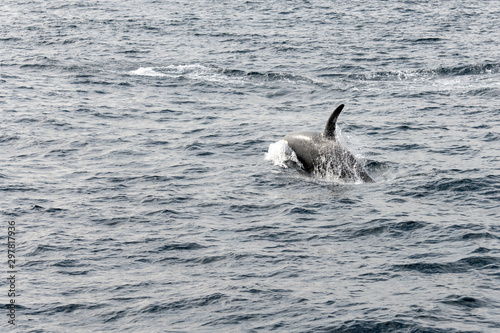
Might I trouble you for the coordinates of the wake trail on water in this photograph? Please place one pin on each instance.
(214, 74)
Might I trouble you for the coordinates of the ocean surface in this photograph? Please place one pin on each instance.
(142, 164)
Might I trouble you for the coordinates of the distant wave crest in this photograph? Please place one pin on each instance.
(403, 75)
(214, 74)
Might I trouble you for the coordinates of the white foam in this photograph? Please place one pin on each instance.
(186, 69)
(147, 71)
(202, 73)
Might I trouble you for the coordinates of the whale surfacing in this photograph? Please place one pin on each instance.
(321, 154)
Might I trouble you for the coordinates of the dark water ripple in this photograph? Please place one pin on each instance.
(133, 139)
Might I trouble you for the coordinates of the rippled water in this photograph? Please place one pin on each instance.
(133, 141)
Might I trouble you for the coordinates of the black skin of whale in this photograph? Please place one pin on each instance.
(321, 154)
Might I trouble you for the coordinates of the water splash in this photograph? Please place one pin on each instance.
(282, 155)
(340, 167)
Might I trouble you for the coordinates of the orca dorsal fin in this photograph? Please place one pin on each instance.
(329, 132)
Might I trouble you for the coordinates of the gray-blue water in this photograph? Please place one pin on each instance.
(133, 140)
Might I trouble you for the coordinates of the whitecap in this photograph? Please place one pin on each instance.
(146, 71)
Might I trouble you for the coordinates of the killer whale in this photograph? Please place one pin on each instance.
(321, 154)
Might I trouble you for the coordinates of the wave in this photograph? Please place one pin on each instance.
(460, 266)
(10, 39)
(463, 184)
(183, 304)
(214, 74)
(8, 138)
(397, 325)
(484, 92)
(180, 247)
(67, 308)
(419, 74)
(465, 302)
(387, 227)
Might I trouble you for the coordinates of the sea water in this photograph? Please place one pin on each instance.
(133, 140)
